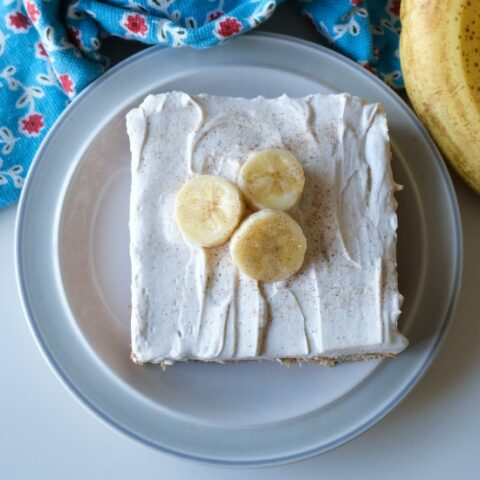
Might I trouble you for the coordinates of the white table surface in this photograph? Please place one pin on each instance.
(435, 433)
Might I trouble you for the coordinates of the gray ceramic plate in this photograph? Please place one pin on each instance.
(73, 267)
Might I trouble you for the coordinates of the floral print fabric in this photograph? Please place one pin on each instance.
(49, 51)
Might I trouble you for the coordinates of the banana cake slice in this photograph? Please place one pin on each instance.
(193, 302)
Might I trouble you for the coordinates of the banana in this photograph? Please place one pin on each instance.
(268, 246)
(440, 58)
(208, 209)
(272, 179)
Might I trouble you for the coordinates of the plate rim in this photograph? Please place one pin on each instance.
(111, 422)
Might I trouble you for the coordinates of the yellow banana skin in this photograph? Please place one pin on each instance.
(440, 58)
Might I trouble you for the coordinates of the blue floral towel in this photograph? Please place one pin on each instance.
(49, 51)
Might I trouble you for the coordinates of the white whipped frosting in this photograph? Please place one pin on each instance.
(192, 303)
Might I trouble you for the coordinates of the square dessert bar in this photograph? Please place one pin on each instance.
(192, 303)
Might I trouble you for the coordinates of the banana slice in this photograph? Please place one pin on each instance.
(208, 209)
(272, 179)
(269, 246)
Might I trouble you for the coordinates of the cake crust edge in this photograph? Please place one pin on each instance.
(325, 361)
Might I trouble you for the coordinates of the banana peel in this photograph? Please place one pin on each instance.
(440, 58)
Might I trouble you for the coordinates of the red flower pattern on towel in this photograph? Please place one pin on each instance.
(228, 27)
(33, 11)
(74, 37)
(135, 23)
(18, 22)
(395, 8)
(32, 124)
(67, 83)
(369, 67)
(40, 50)
(214, 15)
